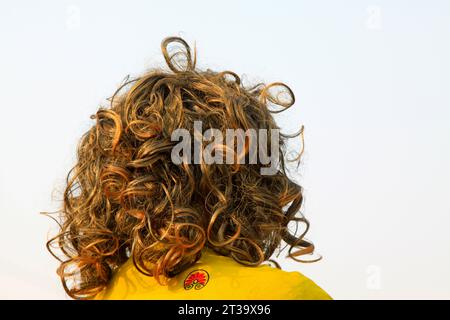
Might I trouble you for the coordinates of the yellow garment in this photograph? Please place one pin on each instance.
(214, 277)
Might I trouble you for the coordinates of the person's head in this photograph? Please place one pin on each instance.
(141, 189)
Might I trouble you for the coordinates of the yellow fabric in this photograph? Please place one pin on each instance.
(227, 280)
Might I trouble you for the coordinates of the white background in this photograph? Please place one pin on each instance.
(372, 84)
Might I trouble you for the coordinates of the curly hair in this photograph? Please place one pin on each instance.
(125, 199)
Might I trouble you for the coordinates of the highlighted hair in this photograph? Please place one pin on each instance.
(125, 198)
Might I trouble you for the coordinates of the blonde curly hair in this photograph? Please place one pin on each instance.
(126, 198)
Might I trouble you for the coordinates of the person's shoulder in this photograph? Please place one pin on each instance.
(305, 288)
(127, 283)
(223, 278)
(265, 281)
(293, 285)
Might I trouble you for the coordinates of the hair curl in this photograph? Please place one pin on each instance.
(125, 198)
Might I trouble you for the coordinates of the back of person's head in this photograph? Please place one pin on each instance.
(130, 195)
